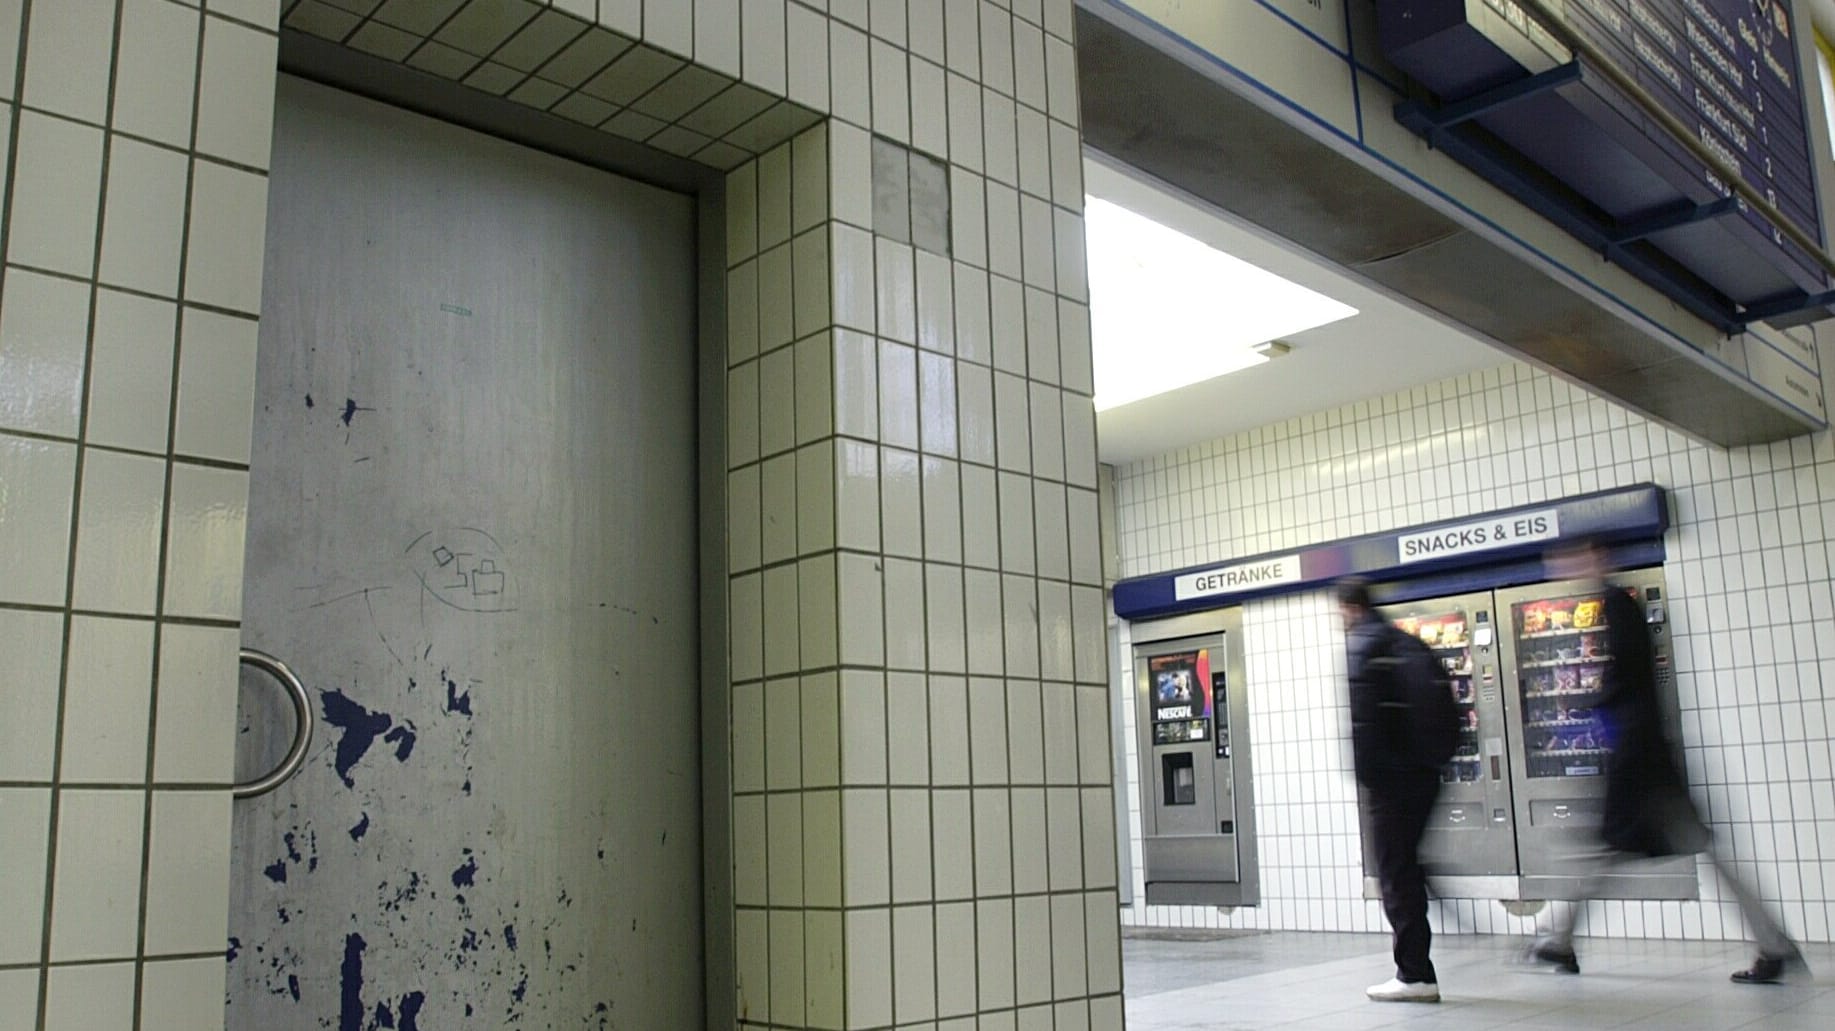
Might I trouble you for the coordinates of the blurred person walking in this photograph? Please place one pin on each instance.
(1404, 727)
(1647, 811)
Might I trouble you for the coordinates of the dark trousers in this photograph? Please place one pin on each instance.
(1398, 817)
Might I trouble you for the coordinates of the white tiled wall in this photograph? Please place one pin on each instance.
(135, 196)
(900, 395)
(1749, 560)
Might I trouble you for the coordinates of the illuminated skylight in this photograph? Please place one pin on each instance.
(1167, 311)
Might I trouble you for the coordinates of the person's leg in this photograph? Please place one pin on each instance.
(1399, 824)
(1773, 943)
(1591, 867)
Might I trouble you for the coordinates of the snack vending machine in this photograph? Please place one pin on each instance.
(1197, 813)
(1557, 654)
(1522, 798)
(1472, 831)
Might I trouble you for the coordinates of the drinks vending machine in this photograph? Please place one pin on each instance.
(1523, 795)
(1197, 813)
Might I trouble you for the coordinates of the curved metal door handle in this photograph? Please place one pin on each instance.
(302, 724)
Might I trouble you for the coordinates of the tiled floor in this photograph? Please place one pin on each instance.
(1296, 980)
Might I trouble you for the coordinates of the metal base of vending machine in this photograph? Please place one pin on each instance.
(1649, 880)
(1502, 889)
(1674, 880)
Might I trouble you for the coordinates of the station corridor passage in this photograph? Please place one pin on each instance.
(1300, 980)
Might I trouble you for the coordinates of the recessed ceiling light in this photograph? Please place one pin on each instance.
(1167, 311)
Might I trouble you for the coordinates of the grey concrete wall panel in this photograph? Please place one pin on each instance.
(473, 531)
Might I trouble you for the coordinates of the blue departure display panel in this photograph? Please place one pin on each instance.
(1728, 69)
(1562, 133)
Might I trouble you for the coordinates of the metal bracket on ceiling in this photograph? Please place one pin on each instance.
(1445, 128)
(1675, 218)
(1789, 305)
(1431, 123)
(1509, 172)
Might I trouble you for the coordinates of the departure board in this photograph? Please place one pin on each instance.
(1728, 69)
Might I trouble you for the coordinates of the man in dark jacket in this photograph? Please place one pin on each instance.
(1647, 811)
(1399, 790)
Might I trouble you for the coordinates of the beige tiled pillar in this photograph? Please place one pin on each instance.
(923, 822)
(135, 197)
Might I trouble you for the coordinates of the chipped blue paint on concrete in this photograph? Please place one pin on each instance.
(350, 984)
(361, 727)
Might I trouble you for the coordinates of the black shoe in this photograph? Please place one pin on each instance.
(1770, 969)
(1561, 957)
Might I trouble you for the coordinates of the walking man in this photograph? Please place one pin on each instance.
(1400, 777)
(1648, 812)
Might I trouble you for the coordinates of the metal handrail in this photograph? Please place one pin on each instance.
(1557, 26)
(302, 729)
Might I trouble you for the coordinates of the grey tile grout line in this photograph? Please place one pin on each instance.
(948, 164)
(1037, 578)
(108, 961)
(71, 610)
(765, 687)
(776, 564)
(63, 675)
(586, 28)
(802, 793)
(833, 515)
(106, 126)
(732, 682)
(230, 18)
(918, 904)
(427, 40)
(172, 299)
(631, 106)
(1025, 377)
(1012, 971)
(165, 527)
(99, 785)
(130, 452)
(421, 41)
(923, 570)
(764, 679)
(972, 794)
(900, 785)
(879, 555)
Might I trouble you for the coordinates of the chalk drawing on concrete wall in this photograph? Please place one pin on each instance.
(463, 568)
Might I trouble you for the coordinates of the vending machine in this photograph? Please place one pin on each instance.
(1471, 832)
(1521, 801)
(1197, 811)
(1557, 654)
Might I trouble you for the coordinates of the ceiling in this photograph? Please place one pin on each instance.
(1388, 346)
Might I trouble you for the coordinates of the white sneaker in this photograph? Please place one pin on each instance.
(1394, 990)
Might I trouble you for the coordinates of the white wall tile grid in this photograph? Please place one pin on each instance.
(936, 391)
(1749, 559)
(921, 767)
(135, 187)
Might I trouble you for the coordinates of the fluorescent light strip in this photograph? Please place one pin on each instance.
(1167, 311)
